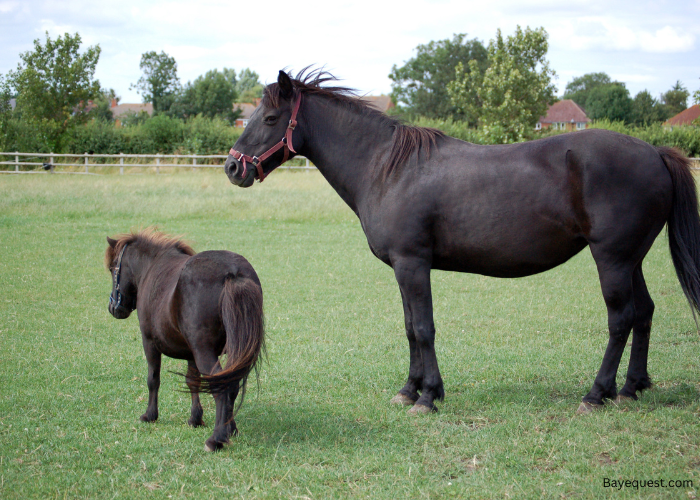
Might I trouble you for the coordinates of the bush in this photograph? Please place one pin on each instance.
(687, 139)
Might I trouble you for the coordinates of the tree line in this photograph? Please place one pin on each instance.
(58, 102)
(489, 94)
(497, 93)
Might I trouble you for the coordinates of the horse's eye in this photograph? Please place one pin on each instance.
(270, 120)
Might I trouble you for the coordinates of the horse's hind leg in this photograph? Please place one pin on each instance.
(153, 357)
(637, 376)
(409, 394)
(196, 411)
(616, 283)
(224, 425)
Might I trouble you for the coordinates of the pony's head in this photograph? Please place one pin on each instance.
(122, 300)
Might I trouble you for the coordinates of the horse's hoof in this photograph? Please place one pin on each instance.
(402, 399)
(210, 445)
(422, 410)
(195, 423)
(586, 408)
(146, 418)
(622, 400)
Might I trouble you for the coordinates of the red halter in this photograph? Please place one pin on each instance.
(285, 143)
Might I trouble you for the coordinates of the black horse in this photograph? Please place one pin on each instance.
(194, 307)
(428, 201)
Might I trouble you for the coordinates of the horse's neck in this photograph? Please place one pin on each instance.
(346, 146)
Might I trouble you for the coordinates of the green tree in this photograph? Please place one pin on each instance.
(676, 99)
(210, 95)
(419, 87)
(103, 104)
(646, 109)
(248, 86)
(159, 83)
(513, 92)
(611, 102)
(53, 84)
(579, 88)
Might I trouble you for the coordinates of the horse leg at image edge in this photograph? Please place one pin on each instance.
(196, 412)
(153, 357)
(413, 277)
(409, 394)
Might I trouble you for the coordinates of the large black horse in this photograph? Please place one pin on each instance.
(428, 201)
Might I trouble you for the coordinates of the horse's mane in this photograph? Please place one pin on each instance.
(407, 139)
(150, 238)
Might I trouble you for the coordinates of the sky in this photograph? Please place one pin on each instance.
(645, 44)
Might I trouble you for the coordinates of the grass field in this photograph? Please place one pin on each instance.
(516, 357)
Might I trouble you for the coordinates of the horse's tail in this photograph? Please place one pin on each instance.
(242, 316)
(684, 225)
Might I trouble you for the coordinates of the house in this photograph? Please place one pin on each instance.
(119, 110)
(246, 109)
(685, 117)
(564, 115)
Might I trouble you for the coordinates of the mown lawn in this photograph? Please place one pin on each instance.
(516, 357)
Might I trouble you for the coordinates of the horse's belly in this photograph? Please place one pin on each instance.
(511, 260)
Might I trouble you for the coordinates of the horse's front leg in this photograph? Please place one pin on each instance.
(196, 412)
(413, 277)
(153, 357)
(409, 394)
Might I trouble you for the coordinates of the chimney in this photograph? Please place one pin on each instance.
(113, 104)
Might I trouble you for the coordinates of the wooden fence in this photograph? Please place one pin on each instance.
(48, 162)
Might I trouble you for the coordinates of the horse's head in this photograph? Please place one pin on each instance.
(122, 300)
(267, 141)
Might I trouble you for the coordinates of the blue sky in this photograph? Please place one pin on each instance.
(646, 44)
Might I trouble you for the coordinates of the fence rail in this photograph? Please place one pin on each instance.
(49, 166)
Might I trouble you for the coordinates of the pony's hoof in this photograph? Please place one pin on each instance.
(585, 408)
(195, 423)
(622, 400)
(148, 418)
(422, 410)
(402, 399)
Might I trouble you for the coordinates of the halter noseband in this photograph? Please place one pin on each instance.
(285, 143)
(115, 282)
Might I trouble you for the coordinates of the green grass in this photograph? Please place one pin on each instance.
(516, 357)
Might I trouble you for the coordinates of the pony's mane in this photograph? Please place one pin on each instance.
(407, 139)
(150, 238)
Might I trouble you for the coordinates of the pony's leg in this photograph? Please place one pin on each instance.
(153, 357)
(224, 425)
(413, 277)
(616, 283)
(409, 394)
(637, 376)
(196, 411)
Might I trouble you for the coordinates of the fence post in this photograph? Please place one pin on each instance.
(16, 162)
(86, 162)
(157, 163)
(121, 163)
(51, 163)
(194, 164)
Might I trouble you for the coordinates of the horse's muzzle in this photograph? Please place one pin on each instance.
(237, 174)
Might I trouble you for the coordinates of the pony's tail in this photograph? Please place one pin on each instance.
(242, 316)
(684, 226)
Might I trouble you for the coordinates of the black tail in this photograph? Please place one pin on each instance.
(242, 316)
(684, 225)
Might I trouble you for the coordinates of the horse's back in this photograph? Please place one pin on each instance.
(520, 209)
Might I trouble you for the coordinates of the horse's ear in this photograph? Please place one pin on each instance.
(286, 85)
(112, 243)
